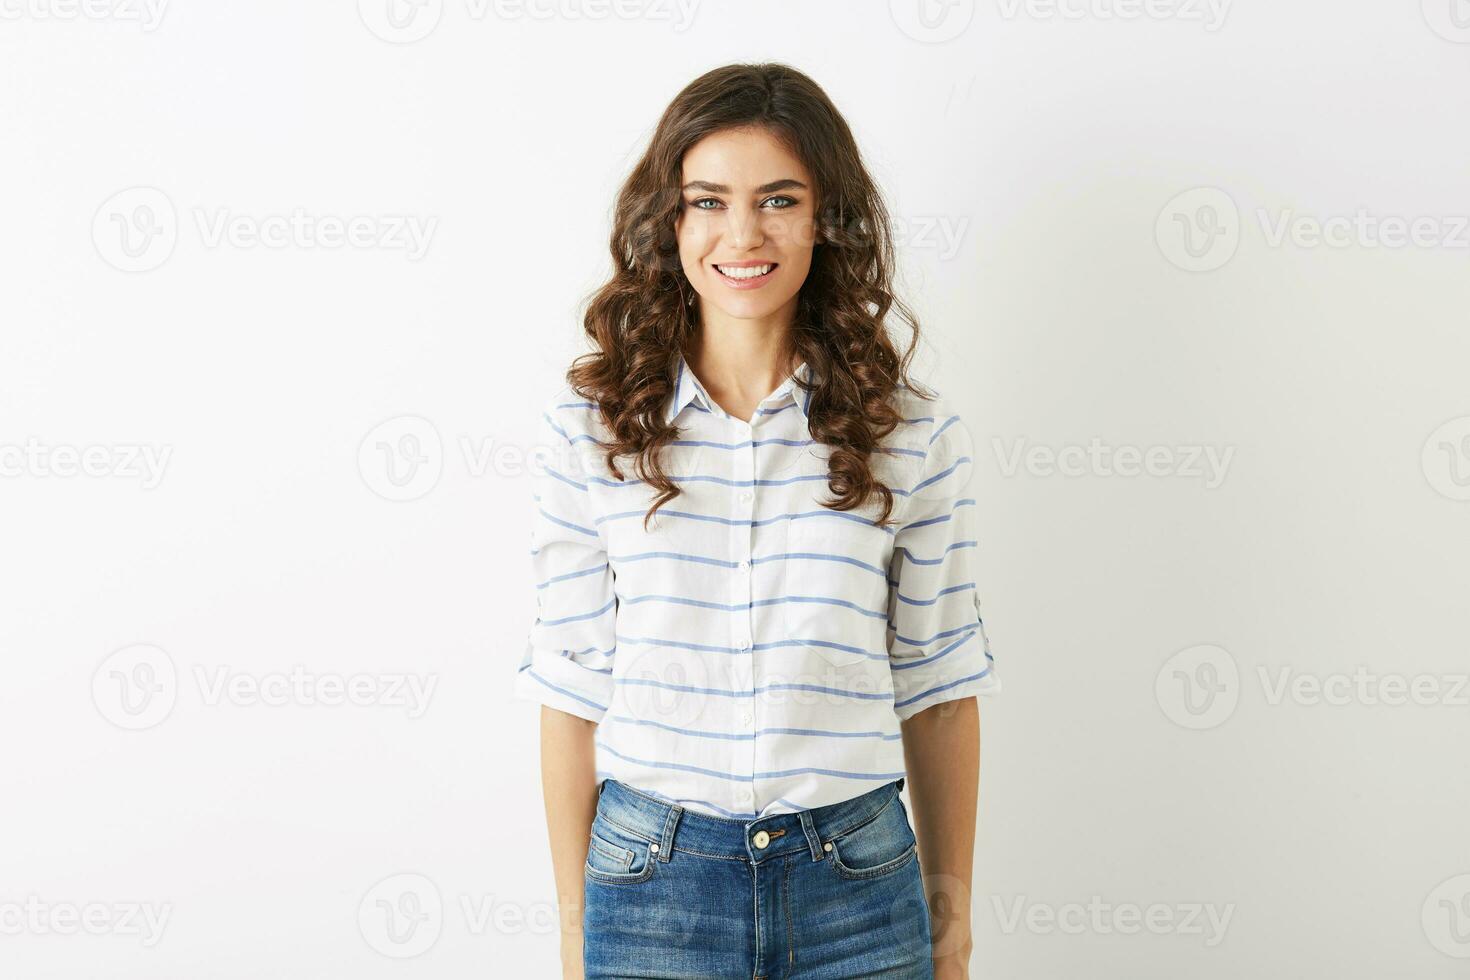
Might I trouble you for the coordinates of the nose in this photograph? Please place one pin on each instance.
(744, 228)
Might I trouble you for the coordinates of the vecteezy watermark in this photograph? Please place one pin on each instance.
(126, 461)
(942, 233)
(298, 686)
(137, 229)
(1206, 463)
(400, 21)
(1450, 19)
(1209, 13)
(407, 233)
(406, 21)
(137, 687)
(1446, 459)
(1199, 229)
(932, 21)
(1099, 918)
(1363, 686)
(147, 13)
(401, 916)
(1198, 687)
(404, 915)
(404, 457)
(1446, 917)
(1363, 229)
(34, 916)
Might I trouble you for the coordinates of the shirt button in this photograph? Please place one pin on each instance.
(744, 646)
(761, 838)
(745, 566)
(745, 496)
(745, 718)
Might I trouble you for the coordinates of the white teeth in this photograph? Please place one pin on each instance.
(748, 273)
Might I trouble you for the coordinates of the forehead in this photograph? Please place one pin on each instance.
(742, 158)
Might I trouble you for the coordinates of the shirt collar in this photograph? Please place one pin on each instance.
(687, 389)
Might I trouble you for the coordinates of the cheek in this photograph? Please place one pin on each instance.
(693, 236)
(796, 234)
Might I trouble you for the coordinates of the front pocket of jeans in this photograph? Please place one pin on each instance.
(616, 857)
(608, 857)
(879, 847)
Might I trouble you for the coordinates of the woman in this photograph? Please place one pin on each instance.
(739, 673)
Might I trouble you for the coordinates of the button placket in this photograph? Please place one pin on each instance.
(742, 530)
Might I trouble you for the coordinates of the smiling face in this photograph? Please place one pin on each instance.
(746, 225)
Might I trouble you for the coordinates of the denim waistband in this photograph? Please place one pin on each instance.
(675, 828)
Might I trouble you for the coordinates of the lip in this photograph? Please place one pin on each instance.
(755, 283)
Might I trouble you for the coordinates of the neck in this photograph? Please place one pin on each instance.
(740, 362)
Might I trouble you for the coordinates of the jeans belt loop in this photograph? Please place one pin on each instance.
(666, 842)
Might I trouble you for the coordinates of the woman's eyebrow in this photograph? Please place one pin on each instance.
(775, 185)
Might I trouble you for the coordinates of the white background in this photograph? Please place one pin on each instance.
(1142, 754)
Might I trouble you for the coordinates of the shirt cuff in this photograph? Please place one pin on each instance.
(550, 678)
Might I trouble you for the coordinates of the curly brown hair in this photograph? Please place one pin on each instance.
(640, 322)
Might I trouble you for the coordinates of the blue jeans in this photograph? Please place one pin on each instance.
(830, 893)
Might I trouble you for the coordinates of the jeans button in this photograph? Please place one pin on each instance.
(761, 838)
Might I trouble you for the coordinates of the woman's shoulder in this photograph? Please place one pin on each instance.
(573, 415)
(922, 414)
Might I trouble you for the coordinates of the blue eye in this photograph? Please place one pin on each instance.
(698, 203)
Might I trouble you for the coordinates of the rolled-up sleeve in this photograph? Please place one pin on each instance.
(570, 647)
(937, 647)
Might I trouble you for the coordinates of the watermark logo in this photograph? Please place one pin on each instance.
(147, 13)
(222, 685)
(1450, 19)
(1199, 230)
(405, 457)
(940, 233)
(143, 462)
(1205, 920)
(401, 916)
(1446, 459)
(135, 230)
(1209, 13)
(136, 687)
(402, 459)
(1363, 687)
(932, 21)
(664, 690)
(1207, 464)
(144, 921)
(401, 21)
(1446, 917)
(1363, 229)
(406, 21)
(1198, 687)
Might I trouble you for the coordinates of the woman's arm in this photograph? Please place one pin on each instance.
(569, 791)
(941, 747)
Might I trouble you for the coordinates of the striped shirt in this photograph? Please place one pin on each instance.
(752, 652)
